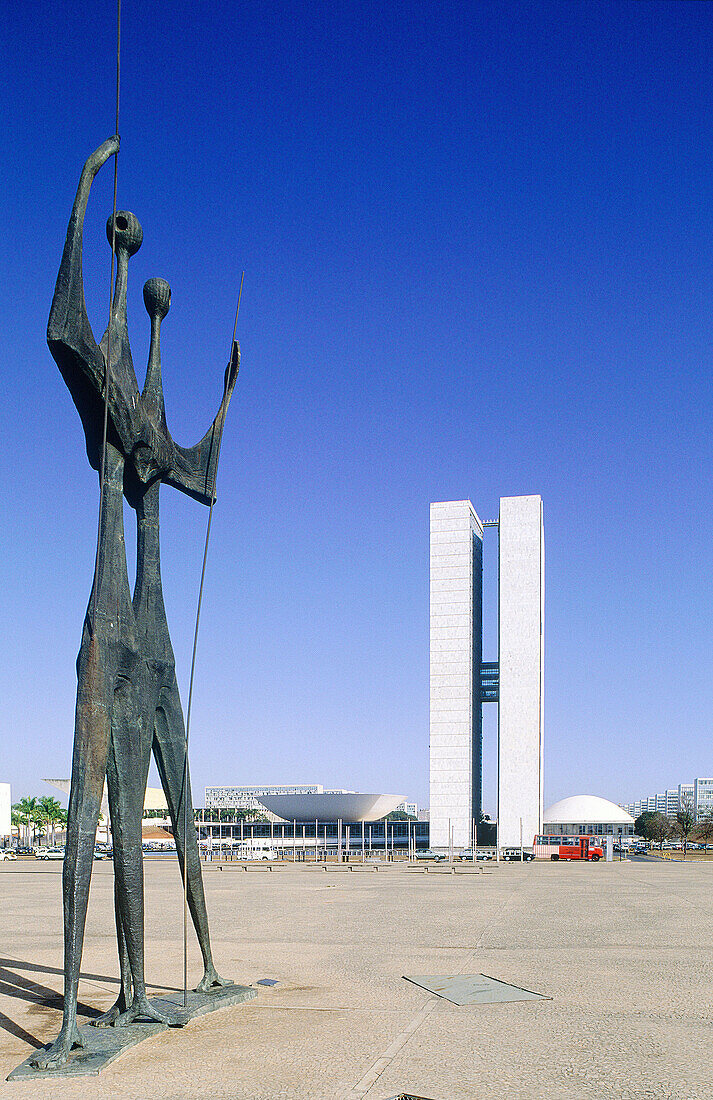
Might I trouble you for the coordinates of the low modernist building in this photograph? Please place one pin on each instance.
(587, 815)
(347, 806)
(5, 811)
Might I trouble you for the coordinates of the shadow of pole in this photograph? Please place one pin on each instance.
(19, 1032)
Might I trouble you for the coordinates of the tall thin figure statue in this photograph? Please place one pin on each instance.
(110, 737)
(193, 471)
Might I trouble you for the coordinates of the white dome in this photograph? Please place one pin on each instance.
(586, 809)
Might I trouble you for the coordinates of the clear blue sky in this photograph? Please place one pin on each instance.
(478, 248)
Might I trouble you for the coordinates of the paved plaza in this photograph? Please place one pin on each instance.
(623, 950)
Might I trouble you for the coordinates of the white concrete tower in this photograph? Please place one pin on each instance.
(521, 653)
(456, 652)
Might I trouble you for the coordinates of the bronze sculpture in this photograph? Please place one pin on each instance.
(127, 694)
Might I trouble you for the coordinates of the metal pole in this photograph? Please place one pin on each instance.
(370, 848)
(349, 842)
(294, 839)
(521, 852)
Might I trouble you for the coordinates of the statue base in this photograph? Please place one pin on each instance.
(103, 1045)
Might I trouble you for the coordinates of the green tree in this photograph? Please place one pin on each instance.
(652, 825)
(27, 811)
(17, 819)
(660, 827)
(685, 820)
(704, 826)
(52, 814)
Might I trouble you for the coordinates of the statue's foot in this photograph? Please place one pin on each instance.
(212, 980)
(109, 1018)
(140, 1009)
(57, 1054)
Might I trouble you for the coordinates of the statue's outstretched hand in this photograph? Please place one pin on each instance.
(231, 371)
(101, 155)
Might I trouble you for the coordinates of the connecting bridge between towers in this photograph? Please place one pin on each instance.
(490, 682)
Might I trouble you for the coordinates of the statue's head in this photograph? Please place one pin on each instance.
(157, 297)
(128, 232)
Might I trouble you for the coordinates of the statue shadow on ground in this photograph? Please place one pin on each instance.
(43, 997)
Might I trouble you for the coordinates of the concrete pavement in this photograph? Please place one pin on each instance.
(623, 950)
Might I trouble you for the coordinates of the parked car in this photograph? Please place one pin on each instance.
(102, 853)
(40, 851)
(480, 854)
(428, 853)
(517, 854)
(52, 853)
(7, 853)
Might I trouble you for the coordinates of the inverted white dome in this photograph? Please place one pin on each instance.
(347, 805)
(586, 809)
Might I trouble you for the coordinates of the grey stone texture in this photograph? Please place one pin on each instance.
(622, 949)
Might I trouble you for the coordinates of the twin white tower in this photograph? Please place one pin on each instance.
(461, 683)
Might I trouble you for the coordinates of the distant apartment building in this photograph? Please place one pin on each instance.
(248, 798)
(698, 795)
(685, 793)
(702, 797)
(410, 808)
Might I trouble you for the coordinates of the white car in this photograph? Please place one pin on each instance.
(7, 853)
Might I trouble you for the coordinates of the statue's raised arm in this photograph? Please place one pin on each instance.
(193, 470)
(69, 333)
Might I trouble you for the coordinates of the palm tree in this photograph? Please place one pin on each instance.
(52, 814)
(26, 810)
(17, 819)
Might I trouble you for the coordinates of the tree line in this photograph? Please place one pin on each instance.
(657, 827)
(37, 815)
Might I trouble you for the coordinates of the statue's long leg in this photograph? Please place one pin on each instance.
(91, 740)
(127, 783)
(169, 747)
(124, 999)
(144, 698)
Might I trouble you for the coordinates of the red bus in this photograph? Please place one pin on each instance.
(583, 847)
(559, 846)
